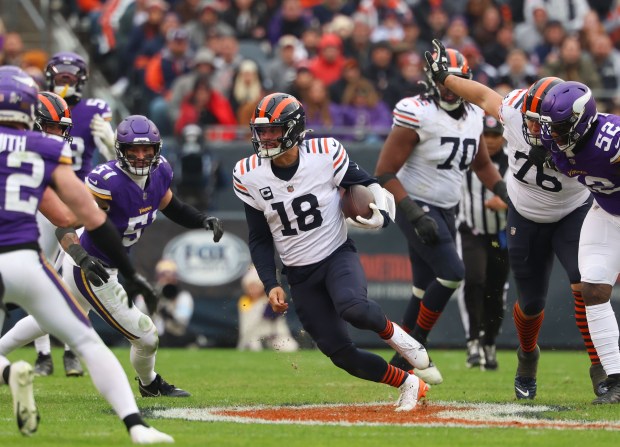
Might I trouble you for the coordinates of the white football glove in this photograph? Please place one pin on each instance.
(374, 223)
(384, 199)
(103, 135)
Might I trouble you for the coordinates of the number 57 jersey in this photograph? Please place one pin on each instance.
(303, 213)
(539, 194)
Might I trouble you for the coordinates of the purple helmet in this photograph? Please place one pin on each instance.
(566, 115)
(137, 130)
(18, 96)
(66, 74)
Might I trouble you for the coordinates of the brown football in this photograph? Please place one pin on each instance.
(355, 202)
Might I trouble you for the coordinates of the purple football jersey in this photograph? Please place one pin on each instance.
(132, 208)
(83, 145)
(27, 160)
(596, 162)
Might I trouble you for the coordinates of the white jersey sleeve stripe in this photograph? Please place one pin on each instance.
(342, 161)
(239, 187)
(405, 119)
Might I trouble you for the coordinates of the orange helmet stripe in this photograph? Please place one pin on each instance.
(263, 103)
(281, 106)
(539, 92)
(452, 58)
(50, 107)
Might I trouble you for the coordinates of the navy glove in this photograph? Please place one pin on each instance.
(438, 65)
(138, 285)
(424, 225)
(215, 225)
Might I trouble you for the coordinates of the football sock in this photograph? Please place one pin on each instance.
(528, 328)
(582, 325)
(604, 332)
(43, 344)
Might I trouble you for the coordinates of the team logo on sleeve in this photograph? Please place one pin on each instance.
(266, 193)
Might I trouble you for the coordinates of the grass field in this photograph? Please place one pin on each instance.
(73, 414)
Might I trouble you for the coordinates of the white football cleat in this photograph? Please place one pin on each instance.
(430, 375)
(25, 410)
(411, 391)
(148, 435)
(407, 346)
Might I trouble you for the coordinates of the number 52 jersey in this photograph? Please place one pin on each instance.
(303, 213)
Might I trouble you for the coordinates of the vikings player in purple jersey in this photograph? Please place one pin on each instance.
(131, 190)
(29, 163)
(66, 74)
(585, 145)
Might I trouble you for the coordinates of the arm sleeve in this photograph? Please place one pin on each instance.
(261, 247)
(183, 214)
(356, 176)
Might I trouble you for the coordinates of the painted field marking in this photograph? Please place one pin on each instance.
(435, 414)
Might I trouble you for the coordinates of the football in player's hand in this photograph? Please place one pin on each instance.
(355, 202)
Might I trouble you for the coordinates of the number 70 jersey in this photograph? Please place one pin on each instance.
(539, 194)
(303, 213)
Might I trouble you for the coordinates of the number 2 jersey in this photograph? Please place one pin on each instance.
(303, 213)
(131, 208)
(27, 160)
(435, 169)
(595, 162)
(539, 194)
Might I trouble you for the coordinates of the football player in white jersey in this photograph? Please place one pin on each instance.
(545, 216)
(291, 193)
(434, 140)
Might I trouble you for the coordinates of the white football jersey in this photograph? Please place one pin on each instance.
(538, 194)
(303, 213)
(434, 171)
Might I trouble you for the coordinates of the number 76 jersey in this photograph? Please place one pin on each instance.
(303, 213)
(539, 194)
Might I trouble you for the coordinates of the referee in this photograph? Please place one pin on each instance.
(483, 243)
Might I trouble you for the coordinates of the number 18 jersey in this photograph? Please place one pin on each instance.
(303, 213)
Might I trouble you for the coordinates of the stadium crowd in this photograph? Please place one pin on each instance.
(208, 62)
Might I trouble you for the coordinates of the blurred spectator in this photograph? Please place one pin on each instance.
(205, 106)
(529, 33)
(227, 60)
(342, 26)
(13, 49)
(481, 71)
(198, 172)
(378, 10)
(322, 115)
(290, 18)
(248, 18)
(390, 28)
(592, 27)
(383, 73)
(359, 44)
(369, 118)
(351, 73)
(328, 9)
(259, 326)
(485, 31)
(247, 90)
(327, 65)
(457, 34)
(202, 64)
(282, 69)
(607, 63)
(571, 13)
(411, 41)
(434, 25)
(553, 36)
(161, 71)
(187, 10)
(34, 58)
(310, 39)
(573, 64)
(517, 72)
(207, 23)
(411, 74)
(302, 82)
(495, 53)
(174, 309)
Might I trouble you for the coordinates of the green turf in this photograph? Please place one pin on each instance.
(73, 414)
